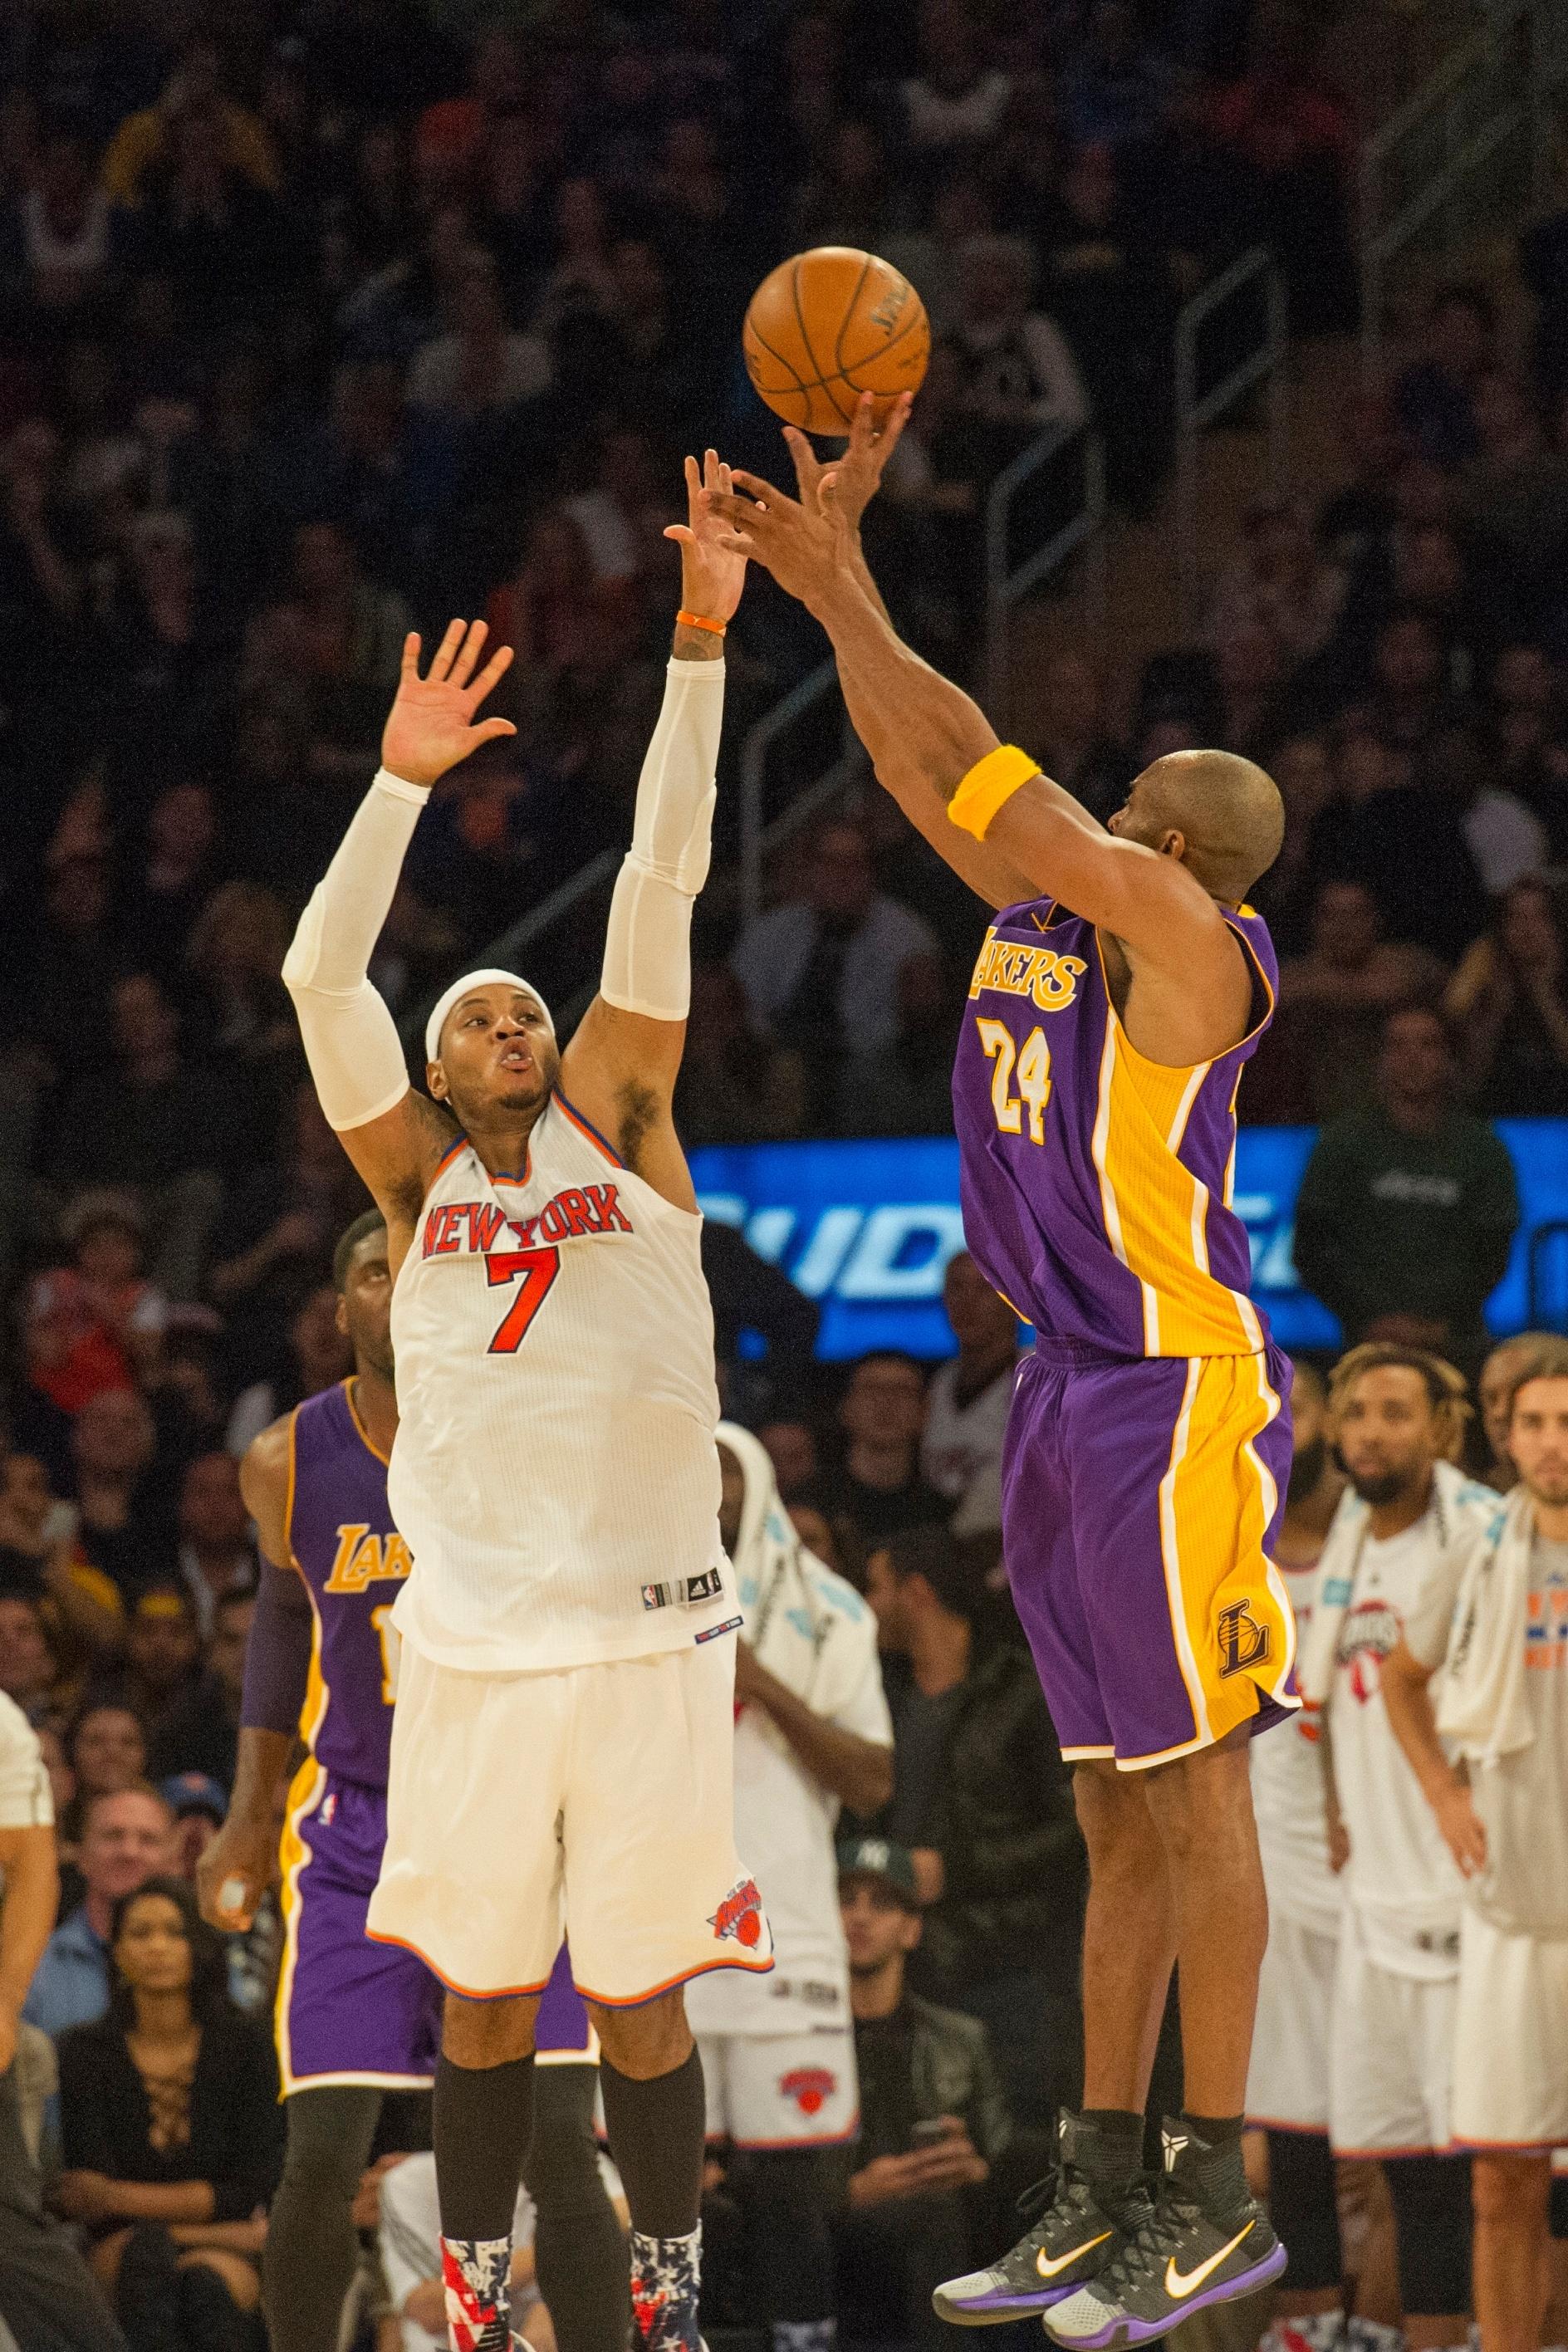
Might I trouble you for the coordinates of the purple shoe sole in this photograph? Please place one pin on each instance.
(1125, 2331)
(993, 2310)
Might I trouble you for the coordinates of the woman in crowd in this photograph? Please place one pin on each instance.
(1508, 1003)
(171, 2134)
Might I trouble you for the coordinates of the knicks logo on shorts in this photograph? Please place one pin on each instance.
(1243, 1642)
(739, 1915)
(810, 2088)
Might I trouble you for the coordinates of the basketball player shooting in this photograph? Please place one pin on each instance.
(1122, 985)
(561, 1745)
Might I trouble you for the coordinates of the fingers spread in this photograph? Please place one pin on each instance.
(744, 511)
(493, 671)
(681, 531)
(411, 655)
(490, 731)
(757, 488)
(804, 458)
(693, 477)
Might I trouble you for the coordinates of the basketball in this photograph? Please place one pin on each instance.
(829, 325)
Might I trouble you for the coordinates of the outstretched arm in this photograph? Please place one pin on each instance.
(392, 1136)
(621, 1067)
(926, 736)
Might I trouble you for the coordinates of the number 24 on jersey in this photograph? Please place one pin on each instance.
(1020, 1078)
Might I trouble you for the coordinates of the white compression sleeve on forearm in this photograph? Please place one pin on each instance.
(351, 1039)
(648, 946)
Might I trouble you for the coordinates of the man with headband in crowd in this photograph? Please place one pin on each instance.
(561, 1750)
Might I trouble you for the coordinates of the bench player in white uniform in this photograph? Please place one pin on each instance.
(1396, 1414)
(1287, 2077)
(561, 1749)
(1493, 1615)
(813, 1732)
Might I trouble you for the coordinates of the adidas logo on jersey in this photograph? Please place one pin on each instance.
(470, 1228)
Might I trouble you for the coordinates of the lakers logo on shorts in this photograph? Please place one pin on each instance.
(1243, 1642)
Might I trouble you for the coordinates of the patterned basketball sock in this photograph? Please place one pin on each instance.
(474, 2273)
(667, 2274)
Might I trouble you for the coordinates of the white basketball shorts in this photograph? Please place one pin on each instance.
(781, 2090)
(1510, 2038)
(593, 1801)
(1288, 2079)
(1391, 2056)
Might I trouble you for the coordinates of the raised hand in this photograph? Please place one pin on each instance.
(431, 725)
(857, 474)
(804, 544)
(712, 569)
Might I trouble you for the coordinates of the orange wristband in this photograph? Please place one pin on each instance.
(697, 621)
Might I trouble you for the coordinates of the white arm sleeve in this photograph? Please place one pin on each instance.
(351, 1039)
(648, 947)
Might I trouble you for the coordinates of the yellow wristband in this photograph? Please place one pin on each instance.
(989, 783)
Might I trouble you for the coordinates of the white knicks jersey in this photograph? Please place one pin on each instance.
(1289, 1798)
(554, 1471)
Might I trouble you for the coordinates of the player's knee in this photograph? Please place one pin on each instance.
(1114, 1814)
(478, 2033)
(330, 2132)
(1510, 2189)
(651, 2039)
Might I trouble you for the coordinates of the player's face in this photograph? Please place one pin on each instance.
(497, 1053)
(1494, 1395)
(1138, 820)
(364, 1310)
(1387, 1433)
(1538, 1440)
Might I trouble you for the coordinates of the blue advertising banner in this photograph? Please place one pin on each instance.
(868, 1228)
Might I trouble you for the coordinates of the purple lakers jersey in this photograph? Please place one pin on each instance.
(354, 1560)
(1096, 1183)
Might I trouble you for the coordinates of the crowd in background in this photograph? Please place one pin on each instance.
(322, 319)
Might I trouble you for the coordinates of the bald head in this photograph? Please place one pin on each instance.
(1227, 811)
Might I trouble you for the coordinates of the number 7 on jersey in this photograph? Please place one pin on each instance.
(539, 1268)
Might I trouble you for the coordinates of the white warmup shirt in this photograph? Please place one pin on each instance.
(1290, 1801)
(961, 1451)
(814, 1633)
(554, 1470)
(1400, 1879)
(1521, 1799)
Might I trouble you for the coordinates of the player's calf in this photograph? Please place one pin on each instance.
(655, 2117)
(483, 2121)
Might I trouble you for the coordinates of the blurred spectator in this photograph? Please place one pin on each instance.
(1495, 1385)
(79, 1609)
(234, 955)
(1396, 835)
(791, 1449)
(216, 1556)
(1023, 373)
(1296, 138)
(1436, 394)
(198, 1806)
(195, 90)
(201, 1732)
(92, 1324)
(736, 1084)
(313, 1354)
(337, 638)
(878, 1483)
(1507, 1007)
(1281, 581)
(821, 970)
(982, 1798)
(1333, 1002)
(153, 1122)
(1114, 94)
(480, 363)
(280, 1221)
(1514, 495)
(1407, 1211)
(408, 2240)
(55, 238)
(907, 1090)
(933, 2119)
(161, 1658)
(126, 1836)
(953, 102)
(1079, 748)
(1505, 838)
(764, 1327)
(28, 1667)
(169, 880)
(171, 2131)
(106, 1747)
(121, 1526)
(968, 1398)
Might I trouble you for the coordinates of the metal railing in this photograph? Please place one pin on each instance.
(759, 836)
(1007, 584)
(1255, 272)
(1422, 169)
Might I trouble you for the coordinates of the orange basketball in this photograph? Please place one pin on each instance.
(828, 326)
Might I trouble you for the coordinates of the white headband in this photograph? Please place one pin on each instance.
(472, 980)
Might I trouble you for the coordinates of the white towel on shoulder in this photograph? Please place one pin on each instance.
(1482, 1702)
